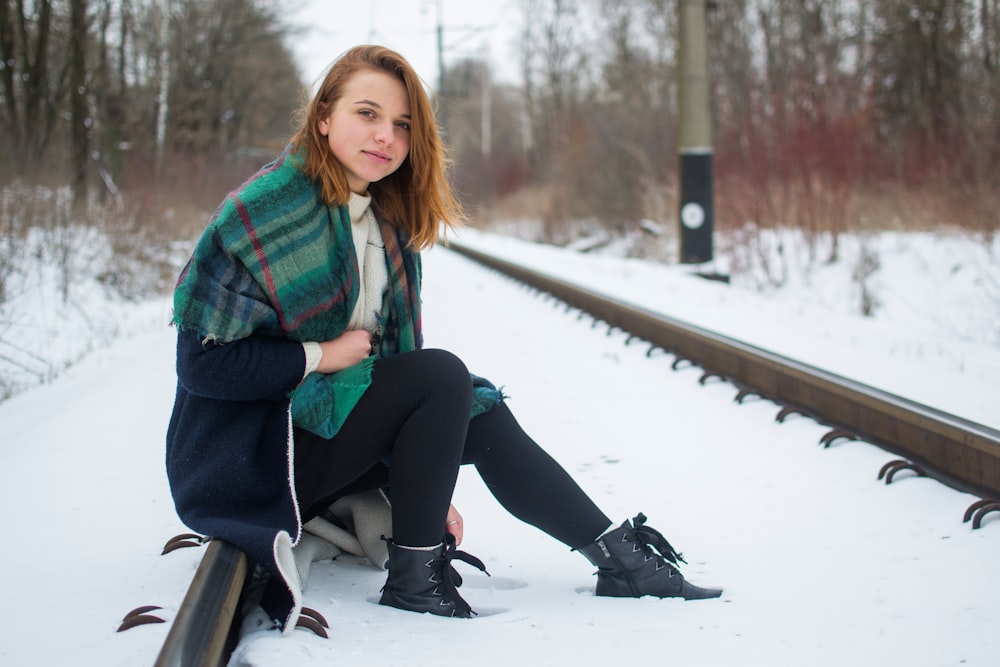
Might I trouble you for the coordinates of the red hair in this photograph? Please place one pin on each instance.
(417, 196)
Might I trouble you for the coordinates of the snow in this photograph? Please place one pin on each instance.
(821, 563)
(60, 290)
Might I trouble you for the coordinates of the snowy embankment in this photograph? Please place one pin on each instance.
(67, 290)
(934, 336)
(822, 564)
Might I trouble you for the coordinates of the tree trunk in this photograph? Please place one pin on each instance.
(8, 57)
(79, 109)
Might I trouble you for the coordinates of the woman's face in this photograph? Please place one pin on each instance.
(369, 128)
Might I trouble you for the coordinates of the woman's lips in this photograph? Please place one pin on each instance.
(378, 156)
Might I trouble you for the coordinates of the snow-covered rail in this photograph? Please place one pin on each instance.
(956, 451)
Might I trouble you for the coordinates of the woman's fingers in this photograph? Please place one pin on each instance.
(454, 524)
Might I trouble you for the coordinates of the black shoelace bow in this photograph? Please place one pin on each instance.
(652, 538)
(451, 578)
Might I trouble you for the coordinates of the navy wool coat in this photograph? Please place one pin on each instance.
(229, 450)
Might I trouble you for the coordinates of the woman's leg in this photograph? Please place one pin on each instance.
(416, 412)
(633, 560)
(528, 482)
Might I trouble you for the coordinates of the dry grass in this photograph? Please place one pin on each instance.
(810, 204)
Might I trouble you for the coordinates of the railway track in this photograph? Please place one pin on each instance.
(957, 452)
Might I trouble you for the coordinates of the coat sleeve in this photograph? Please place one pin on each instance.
(249, 369)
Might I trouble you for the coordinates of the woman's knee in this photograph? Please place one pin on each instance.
(445, 366)
(427, 372)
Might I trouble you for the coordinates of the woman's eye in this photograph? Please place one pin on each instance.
(367, 113)
(403, 125)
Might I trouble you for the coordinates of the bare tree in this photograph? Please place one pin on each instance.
(31, 90)
(485, 133)
(79, 108)
(554, 65)
(8, 74)
(631, 113)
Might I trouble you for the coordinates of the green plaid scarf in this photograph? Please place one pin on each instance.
(275, 261)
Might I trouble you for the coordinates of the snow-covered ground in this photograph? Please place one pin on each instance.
(821, 563)
(65, 292)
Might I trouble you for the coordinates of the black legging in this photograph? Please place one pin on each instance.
(415, 413)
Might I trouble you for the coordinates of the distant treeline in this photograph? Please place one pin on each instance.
(827, 114)
(111, 95)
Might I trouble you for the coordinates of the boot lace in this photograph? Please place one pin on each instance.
(651, 539)
(447, 588)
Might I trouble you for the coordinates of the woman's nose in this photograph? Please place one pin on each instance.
(384, 133)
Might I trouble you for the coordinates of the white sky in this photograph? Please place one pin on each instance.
(486, 29)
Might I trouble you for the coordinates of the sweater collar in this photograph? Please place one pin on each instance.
(357, 206)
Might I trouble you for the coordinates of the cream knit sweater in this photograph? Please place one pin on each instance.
(371, 269)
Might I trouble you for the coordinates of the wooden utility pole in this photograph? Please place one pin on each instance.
(694, 135)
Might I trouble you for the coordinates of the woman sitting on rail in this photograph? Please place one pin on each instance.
(302, 377)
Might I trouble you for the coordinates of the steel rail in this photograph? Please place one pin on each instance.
(203, 633)
(958, 452)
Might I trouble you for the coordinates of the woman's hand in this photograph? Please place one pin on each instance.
(345, 350)
(453, 524)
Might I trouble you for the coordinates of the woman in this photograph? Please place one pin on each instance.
(302, 378)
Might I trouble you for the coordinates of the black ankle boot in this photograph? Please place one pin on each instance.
(424, 581)
(633, 561)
